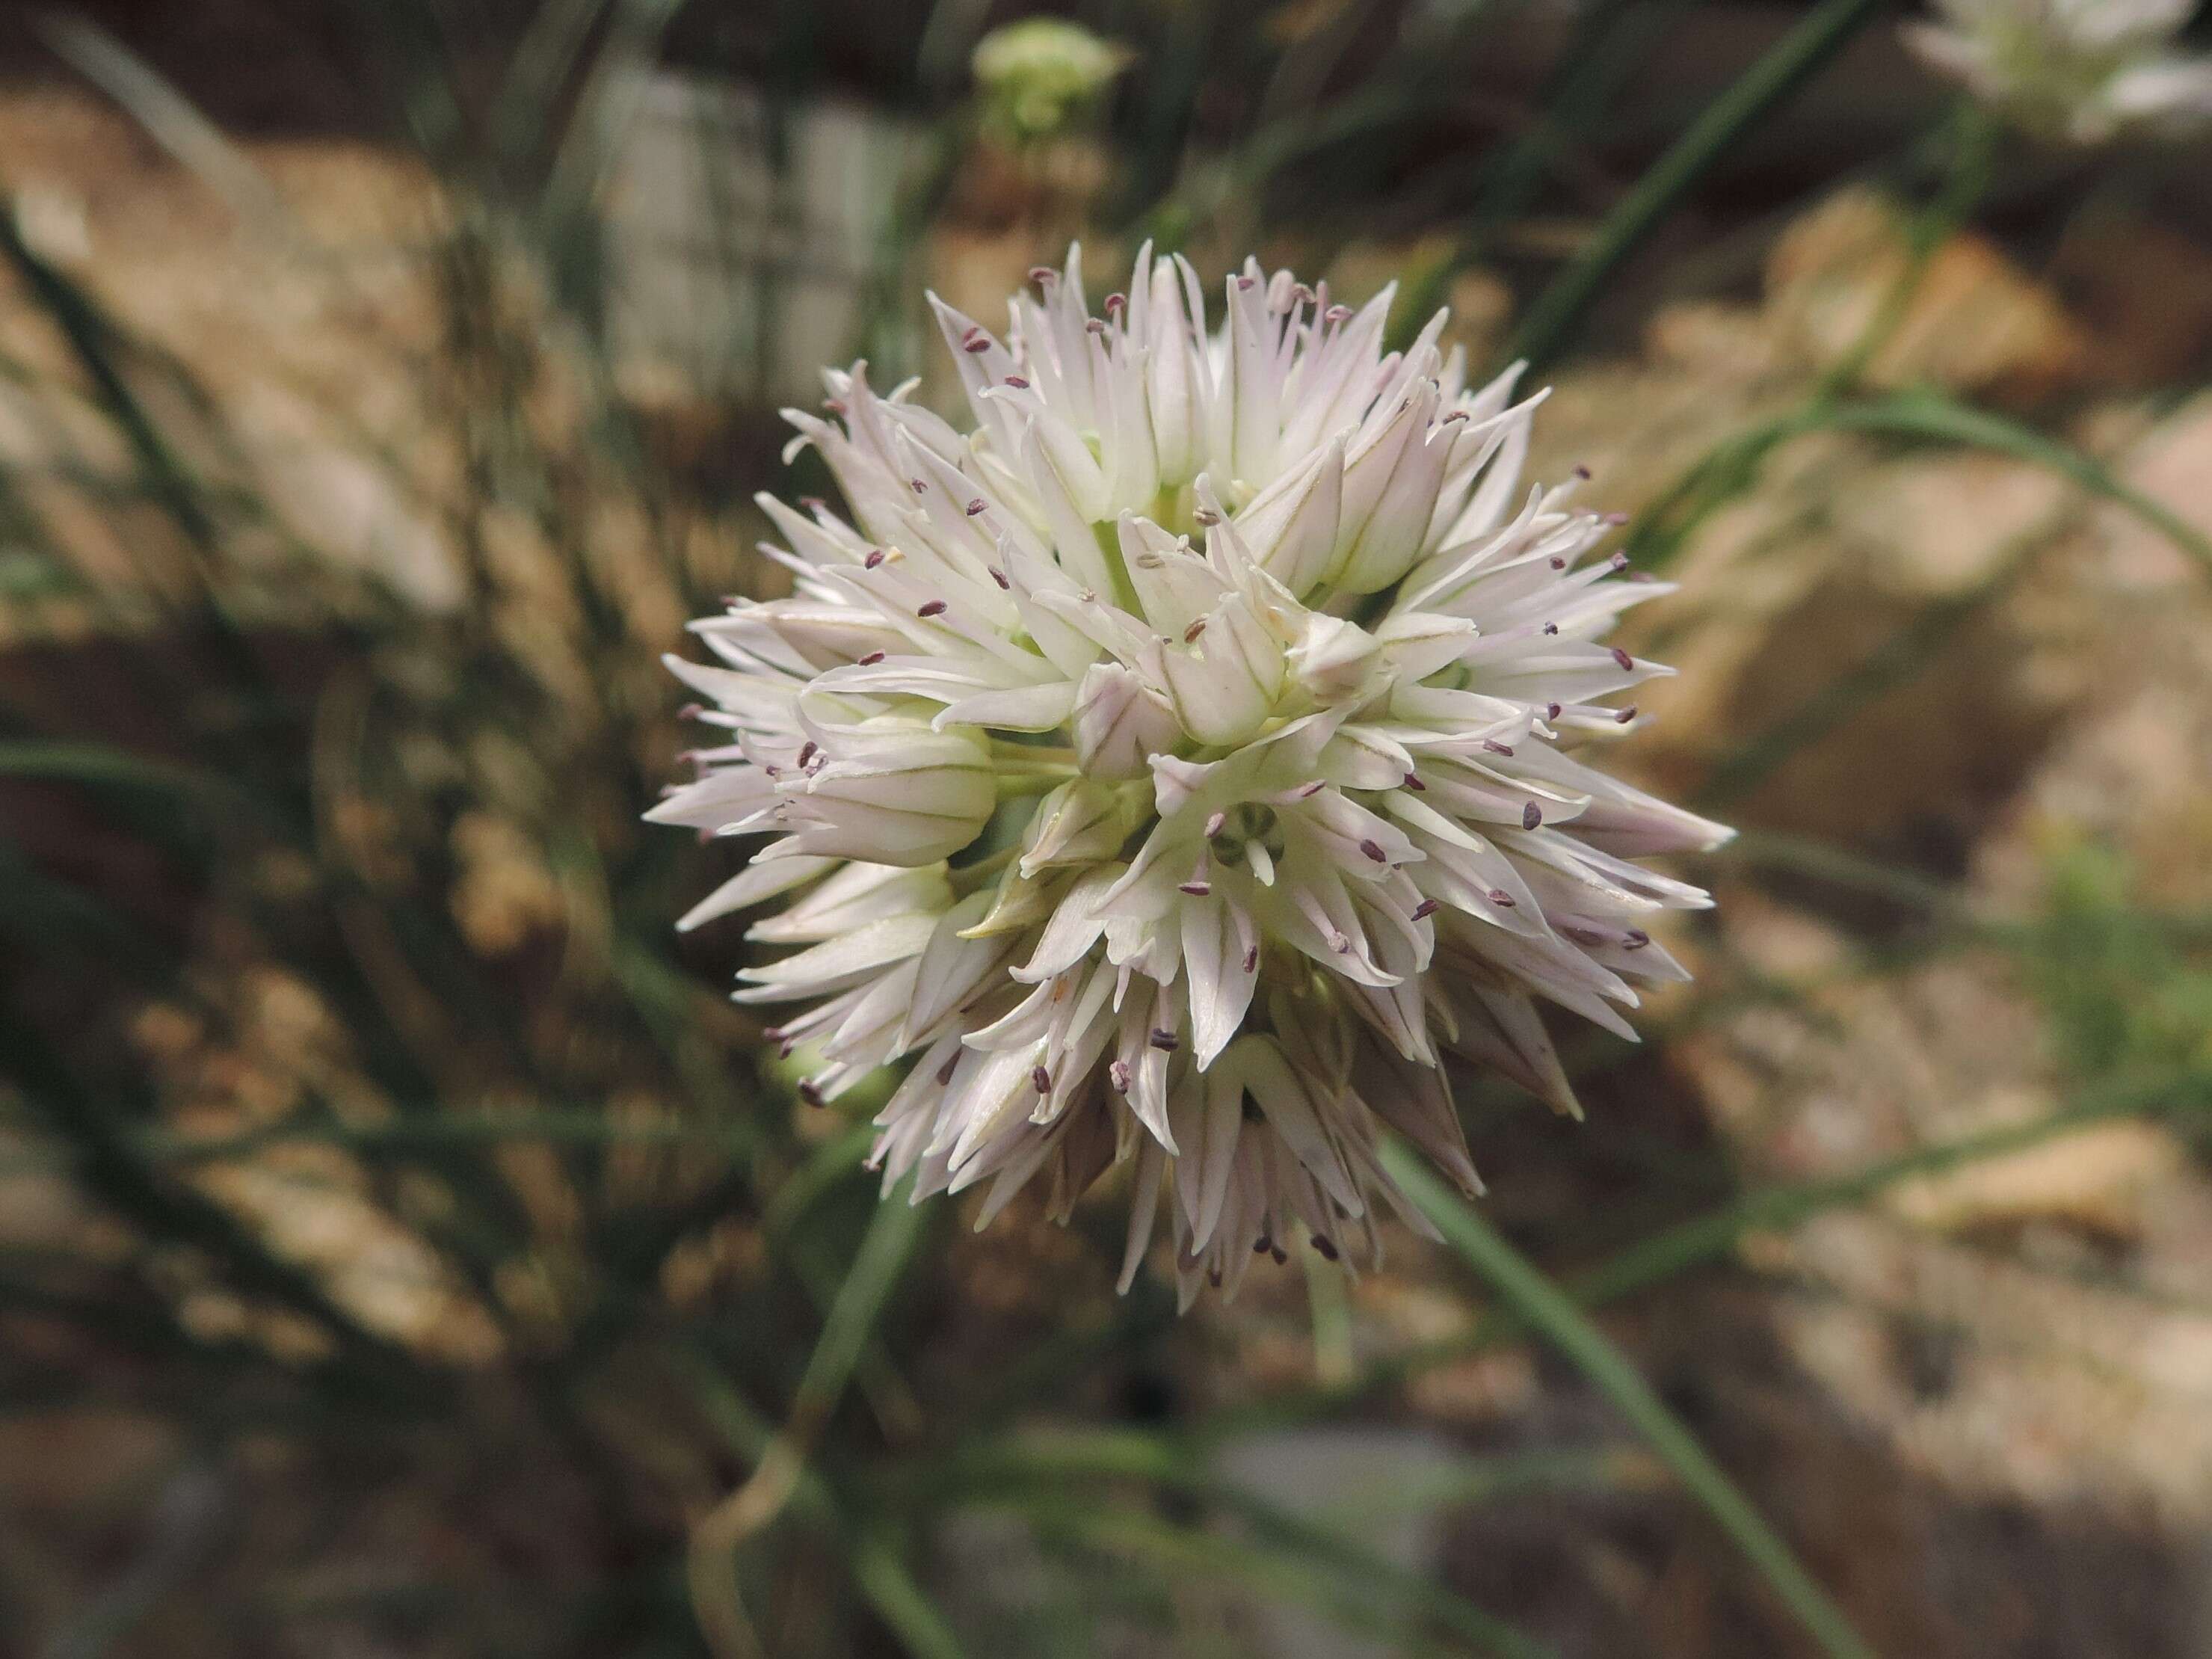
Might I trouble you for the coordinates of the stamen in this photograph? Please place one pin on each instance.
(1016, 381)
(1415, 783)
(1326, 1246)
(1621, 657)
(1424, 909)
(976, 506)
(1635, 939)
(1190, 634)
(1166, 1042)
(872, 660)
(999, 577)
(934, 608)
(875, 558)
(1626, 716)
(1531, 816)
(1501, 898)
(944, 1072)
(1117, 1073)
(1497, 748)
(1041, 1079)
(1373, 848)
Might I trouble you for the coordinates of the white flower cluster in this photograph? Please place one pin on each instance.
(1177, 765)
(2080, 72)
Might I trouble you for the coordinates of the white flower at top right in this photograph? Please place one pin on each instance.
(2075, 72)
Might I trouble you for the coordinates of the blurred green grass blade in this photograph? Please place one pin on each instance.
(1033, 1466)
(900, 1602)
(167, 117)
(1731, 468)
(1553, 1312)
(607, 104)
(1709, 1236)
(1943, 420)
(1612, 44)
(57, 760)
(829, 1164)
(544, 57)
(885, 1251)
(113, 1170)
(1559, 310)
(717, 1540)
(1892, 664)
(1280, 1558)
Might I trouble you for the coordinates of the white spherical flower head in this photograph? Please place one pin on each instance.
(1183, 766)
(2074, 71)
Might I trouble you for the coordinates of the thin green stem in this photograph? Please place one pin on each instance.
(1552, 319)
(1550, 1312)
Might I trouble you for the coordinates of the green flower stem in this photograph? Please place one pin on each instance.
(1551, 1312)
(1552, 319)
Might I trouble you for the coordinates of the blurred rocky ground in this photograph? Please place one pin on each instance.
(1983, 1403)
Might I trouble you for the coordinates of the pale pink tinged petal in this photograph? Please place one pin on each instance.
(1214, 955)
(1017, 708)
(1389, 541)
(1418, 643)
(1334, 657)
(838, 964)
(1416, 1101)
(1501, 478)
(1173, 584)
(749, 886)
(1144, 1206)
(1075, 927)
(856, 894)
(953, 969)
(1295, 1114)
(1252, 389)
(1213, 1150)
(1291, 526)
(1120, 724)
(1223, 686)
(1082, 823)
(1502, 1030)
(1363, 756)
